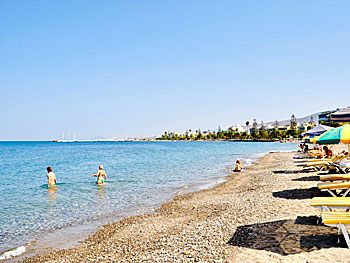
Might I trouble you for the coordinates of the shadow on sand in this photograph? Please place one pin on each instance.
(299, 193)
(287, 236)
(292, 171)
(308, 178)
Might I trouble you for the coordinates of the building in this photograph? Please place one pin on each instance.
(324, 116)
(237, 128)
(305, 126)
(341, 116)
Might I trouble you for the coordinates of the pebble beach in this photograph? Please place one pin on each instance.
(262, 214)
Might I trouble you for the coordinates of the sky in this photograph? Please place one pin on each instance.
(139, 68)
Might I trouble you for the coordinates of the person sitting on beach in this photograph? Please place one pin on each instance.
(328, 152)
(238, 167)
(51, 177)
(100, 174)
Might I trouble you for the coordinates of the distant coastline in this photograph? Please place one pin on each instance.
(174, 140)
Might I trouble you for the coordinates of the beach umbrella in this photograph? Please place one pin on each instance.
(316, 131)
(315, 139)
(335, 136)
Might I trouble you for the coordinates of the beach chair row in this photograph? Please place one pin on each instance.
(334, 213)
(334, 163)
(335, 209)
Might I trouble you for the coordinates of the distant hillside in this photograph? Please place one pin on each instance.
(299, 120)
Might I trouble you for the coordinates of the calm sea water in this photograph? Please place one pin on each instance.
(142, 175)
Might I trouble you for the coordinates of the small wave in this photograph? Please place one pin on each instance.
(283, 151)
(45, 185)
(248, 161)
(13, 253)
(260, 154)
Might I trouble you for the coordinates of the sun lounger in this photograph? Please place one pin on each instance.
(331, 203)
(326, 163)
(318, 162)
(335, 177)
(315, 153)
(333, 187)
(340, 220)
(342, 167)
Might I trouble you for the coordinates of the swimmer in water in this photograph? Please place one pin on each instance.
(100, 174)
(51, 177)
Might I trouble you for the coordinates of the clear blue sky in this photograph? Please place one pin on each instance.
(101, 68)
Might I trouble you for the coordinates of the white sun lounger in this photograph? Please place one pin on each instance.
(342, 167)
(340, 220)
(331, 203)
(335, 177)
(334, 186)
(324, 164)
(321, 162)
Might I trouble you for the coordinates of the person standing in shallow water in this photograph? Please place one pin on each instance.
(51, 177)
(238, 167)
(100, 175)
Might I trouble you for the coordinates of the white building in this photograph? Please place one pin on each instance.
(237, 128)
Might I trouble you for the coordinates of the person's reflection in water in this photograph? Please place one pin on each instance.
(52, 193)
(101, 191)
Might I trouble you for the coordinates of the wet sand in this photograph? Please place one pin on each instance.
(262, 214)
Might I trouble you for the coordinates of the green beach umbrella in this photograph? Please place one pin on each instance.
(335, 136)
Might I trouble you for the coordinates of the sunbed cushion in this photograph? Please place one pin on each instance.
(331, 201)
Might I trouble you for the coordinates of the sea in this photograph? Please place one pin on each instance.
(141, 176)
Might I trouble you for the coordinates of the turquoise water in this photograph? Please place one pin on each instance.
(142, 175)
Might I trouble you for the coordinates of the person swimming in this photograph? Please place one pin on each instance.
(238, 167)
(51, 177)
(100, 175)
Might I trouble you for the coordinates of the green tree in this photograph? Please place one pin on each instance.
(293, 123)
(199, 136)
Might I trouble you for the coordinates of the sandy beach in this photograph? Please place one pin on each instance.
(260, 215)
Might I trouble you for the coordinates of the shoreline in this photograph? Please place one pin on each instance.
(180, 194)
(188, 190)
(40, 244)
(37, 247)
(205, 225)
